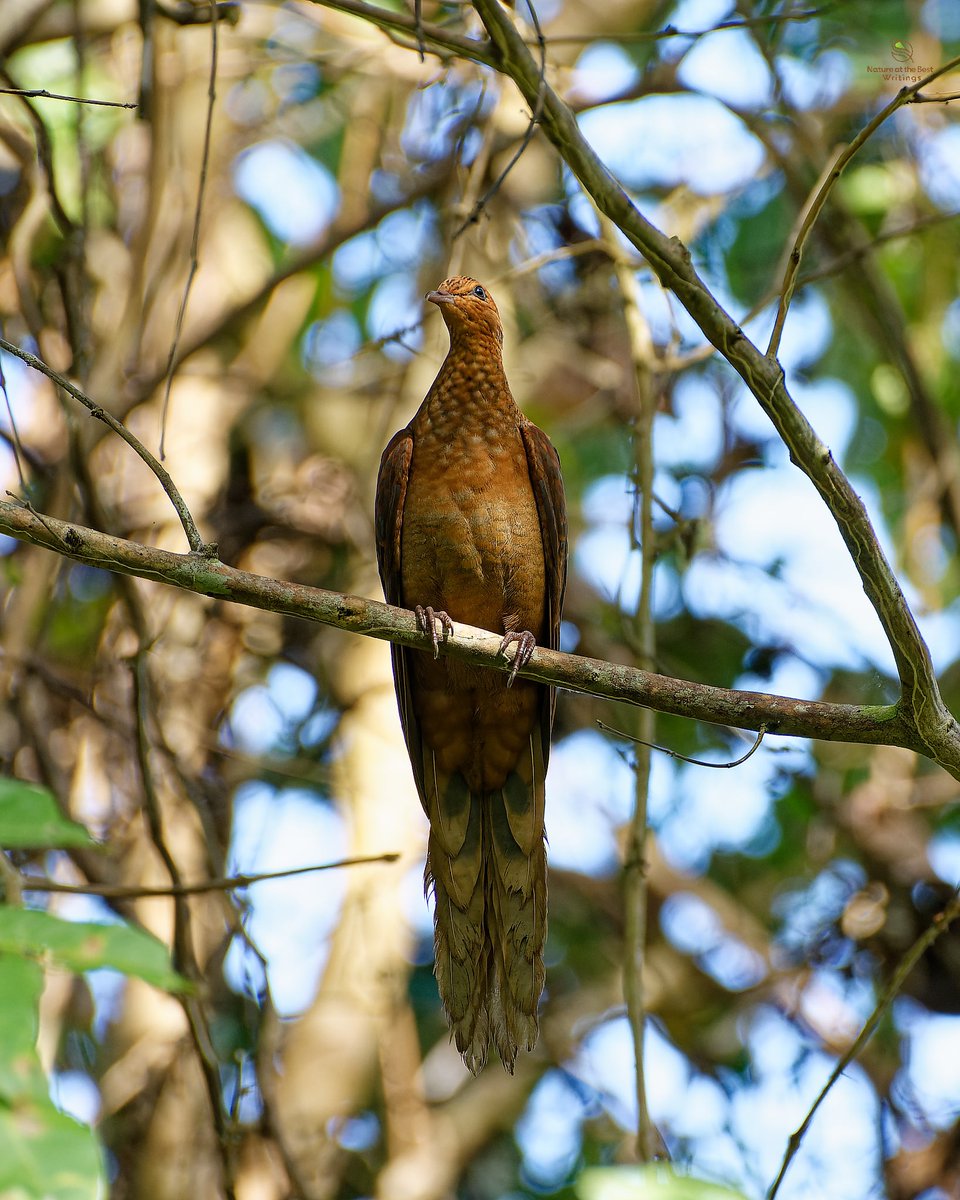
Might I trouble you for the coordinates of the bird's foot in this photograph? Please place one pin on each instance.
(428, 619)
(526, 644)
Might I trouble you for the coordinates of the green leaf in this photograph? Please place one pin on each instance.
(21, 1075)
(30, 819)
(655, 1181)
(84, 945)
(46, 1155)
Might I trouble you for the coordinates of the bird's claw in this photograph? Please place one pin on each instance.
(526, 644)
(428, 619)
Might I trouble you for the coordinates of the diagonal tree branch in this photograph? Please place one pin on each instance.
(670, 260)
(866, 724)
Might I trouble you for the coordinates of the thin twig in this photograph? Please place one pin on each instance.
(826, 184)
(195, 241)
(418, 18)
(347, 225)
(696, 762)
(14, 432)
(194, 540)
(803, 226)
(43, 94)
(44, 152)
(940, 924)
(230, 883)
(184, 957)
(434, 37)
(524, 141)
(635, 895)
(634, 37)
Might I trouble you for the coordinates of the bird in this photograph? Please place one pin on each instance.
(471, 526)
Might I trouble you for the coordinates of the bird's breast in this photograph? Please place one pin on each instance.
(471, 541)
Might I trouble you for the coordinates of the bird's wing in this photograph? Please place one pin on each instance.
(544, 465)
(388, 511)
(543, 462)
(388, 520)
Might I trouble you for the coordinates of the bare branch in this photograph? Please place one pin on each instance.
(865, 724)
(194, 539)
(43, 94)
(940, 924)
(432, 37)
(229, 883)
(826, 184)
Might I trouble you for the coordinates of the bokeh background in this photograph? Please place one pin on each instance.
(343, 178)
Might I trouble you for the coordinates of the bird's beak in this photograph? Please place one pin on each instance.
(440, 298)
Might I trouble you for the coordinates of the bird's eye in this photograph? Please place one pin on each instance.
(479, 292)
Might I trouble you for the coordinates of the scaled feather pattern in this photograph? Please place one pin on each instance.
(471, 526)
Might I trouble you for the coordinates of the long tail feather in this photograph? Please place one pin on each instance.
(491, 920)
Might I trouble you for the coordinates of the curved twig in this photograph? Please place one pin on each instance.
(695, 762)
(194, 539)
(940, 924)
(829, 178)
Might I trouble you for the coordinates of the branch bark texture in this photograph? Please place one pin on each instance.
(861, 723)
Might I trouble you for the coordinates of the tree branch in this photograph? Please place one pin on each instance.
(227, 883)
(865, 724)
(431, 37)
(828, 179)
(163, 475)
(763, 375)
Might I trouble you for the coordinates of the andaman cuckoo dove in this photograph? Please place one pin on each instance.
(471, 525)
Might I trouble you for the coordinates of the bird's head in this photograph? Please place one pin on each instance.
(467, 308)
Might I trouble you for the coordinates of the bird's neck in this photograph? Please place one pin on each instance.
(471, 386)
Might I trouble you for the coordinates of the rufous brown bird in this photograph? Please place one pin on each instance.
(471, 526)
